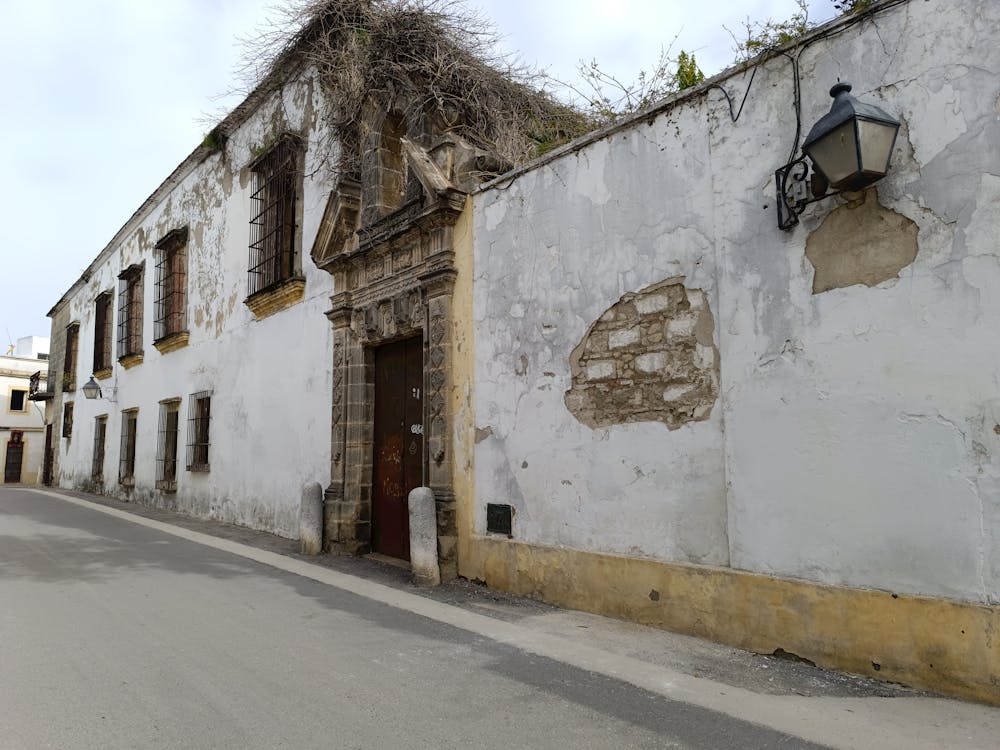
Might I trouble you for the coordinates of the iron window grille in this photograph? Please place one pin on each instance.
(272, 226)
(67, 425)
(69, 357)
(170, 287)
(130, 312)
(102, 332)
(126, 460)
(199, 420)
(166, 445)
(100, 437)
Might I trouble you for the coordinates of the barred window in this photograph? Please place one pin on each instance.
(67, 425)
(166, 445)
(199, 417)
(130, 311)
(276, 177)
(69, 358)
(102, 332)
(171, 284)
(100, 434)
(126, 458)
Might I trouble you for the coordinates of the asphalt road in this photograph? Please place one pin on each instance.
(122, 632)
(114, 635)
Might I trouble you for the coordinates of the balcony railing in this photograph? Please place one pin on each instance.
(38, 387)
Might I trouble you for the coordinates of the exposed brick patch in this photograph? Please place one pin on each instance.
(651, 357)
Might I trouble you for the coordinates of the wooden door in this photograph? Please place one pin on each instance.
(47, 462)
(399, 443)
(15, 455)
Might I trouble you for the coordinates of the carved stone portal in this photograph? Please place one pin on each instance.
(393, 280)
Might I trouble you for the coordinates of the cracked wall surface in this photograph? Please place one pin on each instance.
(852, 442)
(553, 254)
(651, 357)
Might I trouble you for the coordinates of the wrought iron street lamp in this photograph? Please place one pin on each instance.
(92, 390)
(849, 149)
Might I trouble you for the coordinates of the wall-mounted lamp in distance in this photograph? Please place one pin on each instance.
(849, 149)
(92, 390)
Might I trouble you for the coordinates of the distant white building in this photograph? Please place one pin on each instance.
(32, 347)
(22, 423)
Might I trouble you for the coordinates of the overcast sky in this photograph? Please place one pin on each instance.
(102, 99)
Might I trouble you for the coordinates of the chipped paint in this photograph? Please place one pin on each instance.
(860, 244)
(852, 444)
(264, 445)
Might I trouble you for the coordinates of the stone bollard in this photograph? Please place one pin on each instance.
(423, 537)
(311, 519)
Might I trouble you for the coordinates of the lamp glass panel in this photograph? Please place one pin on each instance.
(876, 145)
(836, 153)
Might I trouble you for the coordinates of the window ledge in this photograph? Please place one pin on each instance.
(130, 360)
(126, 481)
(277, 297)
(172, 342)
(103, 374)
(201, 468)
(166, 486)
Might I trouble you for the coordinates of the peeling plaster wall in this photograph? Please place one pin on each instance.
(270, 378)
(857, 436)
(553, 252)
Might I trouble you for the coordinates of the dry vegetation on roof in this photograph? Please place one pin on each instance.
(432, 56)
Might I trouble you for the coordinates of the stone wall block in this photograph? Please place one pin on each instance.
(311, 519)
(645, 359)
(423, 537)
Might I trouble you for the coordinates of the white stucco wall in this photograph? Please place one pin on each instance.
(270, 378)
(855, 440)
(553, 252)
(15, 374)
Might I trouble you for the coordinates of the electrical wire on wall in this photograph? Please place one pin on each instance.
(796, 77)
(797, 82)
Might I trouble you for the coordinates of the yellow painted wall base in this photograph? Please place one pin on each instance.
(929, 643)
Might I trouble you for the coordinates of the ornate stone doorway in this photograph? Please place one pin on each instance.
(389, 289)
(391, 254)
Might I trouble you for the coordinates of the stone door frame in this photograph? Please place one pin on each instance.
(398, 283)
